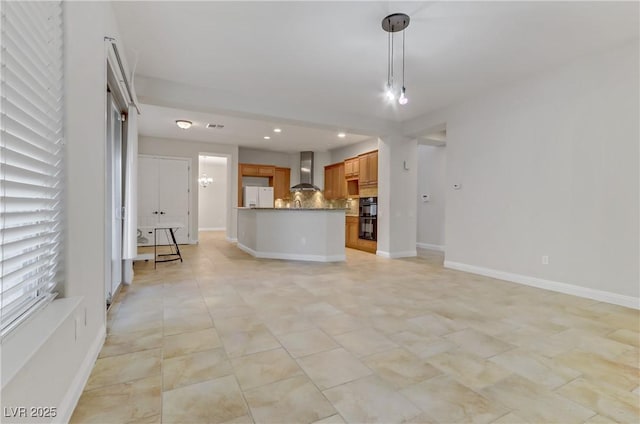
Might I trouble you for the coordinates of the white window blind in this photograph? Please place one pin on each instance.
(31, 157)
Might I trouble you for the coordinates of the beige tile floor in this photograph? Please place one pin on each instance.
(226, 338)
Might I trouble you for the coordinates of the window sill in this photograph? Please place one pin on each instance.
(25, 341)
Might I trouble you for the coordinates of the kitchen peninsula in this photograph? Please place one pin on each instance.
(302, 234)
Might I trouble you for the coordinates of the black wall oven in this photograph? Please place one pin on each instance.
(368, 218)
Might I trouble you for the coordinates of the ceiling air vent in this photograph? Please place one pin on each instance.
(218, 126)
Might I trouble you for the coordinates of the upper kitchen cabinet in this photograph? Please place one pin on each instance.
(335, 185)
(351, 168)
(368, 169)
(251, 170)
(282, 183)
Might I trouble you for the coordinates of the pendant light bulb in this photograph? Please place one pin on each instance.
(403, 100)
(389, 93)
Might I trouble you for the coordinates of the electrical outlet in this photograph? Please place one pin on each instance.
(545, 260)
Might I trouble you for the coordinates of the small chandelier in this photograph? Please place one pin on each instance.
(204, 180)
(395, 22)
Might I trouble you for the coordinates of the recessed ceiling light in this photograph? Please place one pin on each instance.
(266, 137)
(278, 130)
(185, 125)
(341, 135)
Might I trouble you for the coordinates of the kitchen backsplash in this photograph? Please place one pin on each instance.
(315, 199)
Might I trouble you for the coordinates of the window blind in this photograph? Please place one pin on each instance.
(31, 157)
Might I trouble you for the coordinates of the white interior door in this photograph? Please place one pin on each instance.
(173, 196)
(148, 209)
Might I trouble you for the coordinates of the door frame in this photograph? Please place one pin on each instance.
(112, 86)
(190, 197)
(114, 186)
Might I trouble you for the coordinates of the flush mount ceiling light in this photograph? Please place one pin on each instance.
(266, 137)
(341, 135)
(393, 23)
(183, 124)
(277, 130)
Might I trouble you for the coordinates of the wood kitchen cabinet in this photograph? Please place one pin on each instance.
(351, 232)
(251, 170)
(370, 246)
(329, 176)
(282, 183)
(335, 185)
(368, 169)
(351, 168)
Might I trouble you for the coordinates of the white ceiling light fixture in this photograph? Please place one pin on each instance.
(395, 22)
(277, 130)
(342, 135)
(266, 137)
(184, 124)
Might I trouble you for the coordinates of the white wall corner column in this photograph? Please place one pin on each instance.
(397, 191)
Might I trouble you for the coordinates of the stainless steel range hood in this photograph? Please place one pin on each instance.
(306, 173)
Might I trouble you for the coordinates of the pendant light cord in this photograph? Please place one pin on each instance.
(391, 36)
(403, 58)
(389, 57)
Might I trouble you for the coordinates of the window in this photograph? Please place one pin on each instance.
(31, 158)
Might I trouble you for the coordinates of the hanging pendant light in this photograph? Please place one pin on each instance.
(395, 22)
(204, 180)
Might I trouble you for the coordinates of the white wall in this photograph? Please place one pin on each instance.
(353, 150)
(320, 160)
(397, 188)
(193, 150)
(212, 200)
(263, 157)
(431, 181)
(550, 167)
(55, 375)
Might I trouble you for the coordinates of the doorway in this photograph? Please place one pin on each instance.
(212, 192)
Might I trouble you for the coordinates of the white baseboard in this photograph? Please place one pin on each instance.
(396, 255)
(429, 246)
(292, 256)
(599, 295)
(212, 229)
(232, 239)
(71, 398)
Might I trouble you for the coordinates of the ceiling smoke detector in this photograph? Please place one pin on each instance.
(218, 126)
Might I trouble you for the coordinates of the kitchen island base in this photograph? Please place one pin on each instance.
(293, 234)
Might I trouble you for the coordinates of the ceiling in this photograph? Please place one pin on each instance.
(156, 121)
(325, 63)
